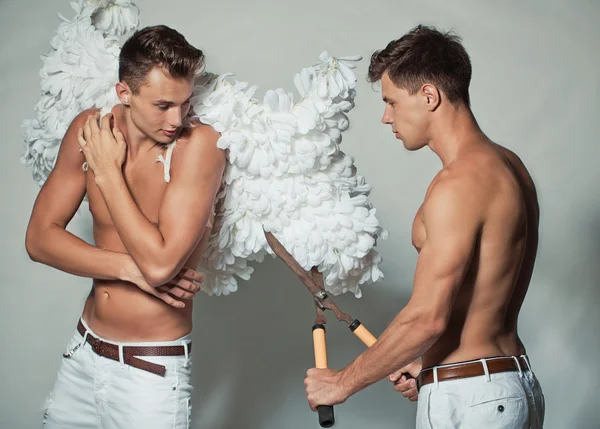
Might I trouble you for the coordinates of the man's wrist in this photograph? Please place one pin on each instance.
(109, 177)
(348, 382)
(123, 263)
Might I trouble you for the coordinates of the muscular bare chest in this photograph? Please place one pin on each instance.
(144, 179)
(418, 233)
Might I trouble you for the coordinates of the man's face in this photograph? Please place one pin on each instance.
(407, 114)
(161, 104)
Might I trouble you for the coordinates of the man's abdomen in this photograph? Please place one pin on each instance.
(120, 311)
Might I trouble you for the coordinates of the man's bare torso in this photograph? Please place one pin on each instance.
(483, 321)
(118, 310)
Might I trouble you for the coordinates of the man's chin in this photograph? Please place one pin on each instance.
(163, 139)
(407, 146)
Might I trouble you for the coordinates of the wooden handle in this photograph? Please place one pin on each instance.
(326, 416)
(362, 333)
(320, 346)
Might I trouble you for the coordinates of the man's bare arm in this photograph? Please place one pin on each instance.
(453, 222)
(47, 240)
(197, 168)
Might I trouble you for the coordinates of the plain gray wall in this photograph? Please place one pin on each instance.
(535, 89)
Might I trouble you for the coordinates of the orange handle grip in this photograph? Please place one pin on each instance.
(362, 333)
(326, 415)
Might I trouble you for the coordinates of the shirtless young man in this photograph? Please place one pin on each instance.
(128, 364)
(477, 236)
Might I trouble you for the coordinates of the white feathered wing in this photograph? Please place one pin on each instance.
(286, 172)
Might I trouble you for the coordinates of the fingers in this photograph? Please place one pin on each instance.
(105, 122)
(180, 288)
(164, 296)
(185, 284)
(413, 368)
(118, 135)
(81, 140)
(311, 371)
(408, 389)
(309, 396)
(190, 274)
(87, 131)
(405, 383)
(93, 121)
(169, 299)
(310, 389)
(395, 376)
(176, 291)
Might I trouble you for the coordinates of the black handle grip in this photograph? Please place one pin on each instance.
(326, 417)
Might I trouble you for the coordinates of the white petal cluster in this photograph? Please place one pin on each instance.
(78, 73)
(287, 174)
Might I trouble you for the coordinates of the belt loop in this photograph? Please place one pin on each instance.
(84, 338)
(526, 359)
(435, 377)
(121, 359)
(186, 346)
(516, 359)
(486, 370)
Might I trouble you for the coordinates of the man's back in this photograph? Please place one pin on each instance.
(483, 320)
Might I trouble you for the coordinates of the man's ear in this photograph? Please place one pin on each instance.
(431, 96)
(123, 92)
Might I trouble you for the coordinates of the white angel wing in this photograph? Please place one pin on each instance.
(287, 174)
(78, 73)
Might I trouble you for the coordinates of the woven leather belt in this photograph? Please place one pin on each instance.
(471, 369)
(130, 353)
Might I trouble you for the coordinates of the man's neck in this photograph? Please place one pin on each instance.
(136, 139)
(454, 130)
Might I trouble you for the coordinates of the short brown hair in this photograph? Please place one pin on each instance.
(423, 55)
(157, 46)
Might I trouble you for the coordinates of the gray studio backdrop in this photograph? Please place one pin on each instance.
(535, 89)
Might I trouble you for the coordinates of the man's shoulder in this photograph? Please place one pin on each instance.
(198, 134)
(197, 140)
(456, 188)
(80, 119)
(195, 146)
(461, 177)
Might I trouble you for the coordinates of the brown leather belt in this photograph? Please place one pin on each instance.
(471, 369)
(111, 351)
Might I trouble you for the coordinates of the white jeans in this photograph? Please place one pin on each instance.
(503, 400)
(94, 392)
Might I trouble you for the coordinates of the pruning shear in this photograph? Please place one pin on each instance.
(314, 283)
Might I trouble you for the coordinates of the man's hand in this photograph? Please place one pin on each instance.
(403, 384)
(104, 149)
(182, 286)
(324, 387)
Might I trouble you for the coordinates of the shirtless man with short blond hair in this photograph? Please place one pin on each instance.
(128, 364)
(477, 236)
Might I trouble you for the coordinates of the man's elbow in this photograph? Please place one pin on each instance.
(435, 328)
(159, 274)
(32, 247)
(432, 327)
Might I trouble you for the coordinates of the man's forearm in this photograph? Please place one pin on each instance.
(142, 239)
(58, 248)
(406, 339)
